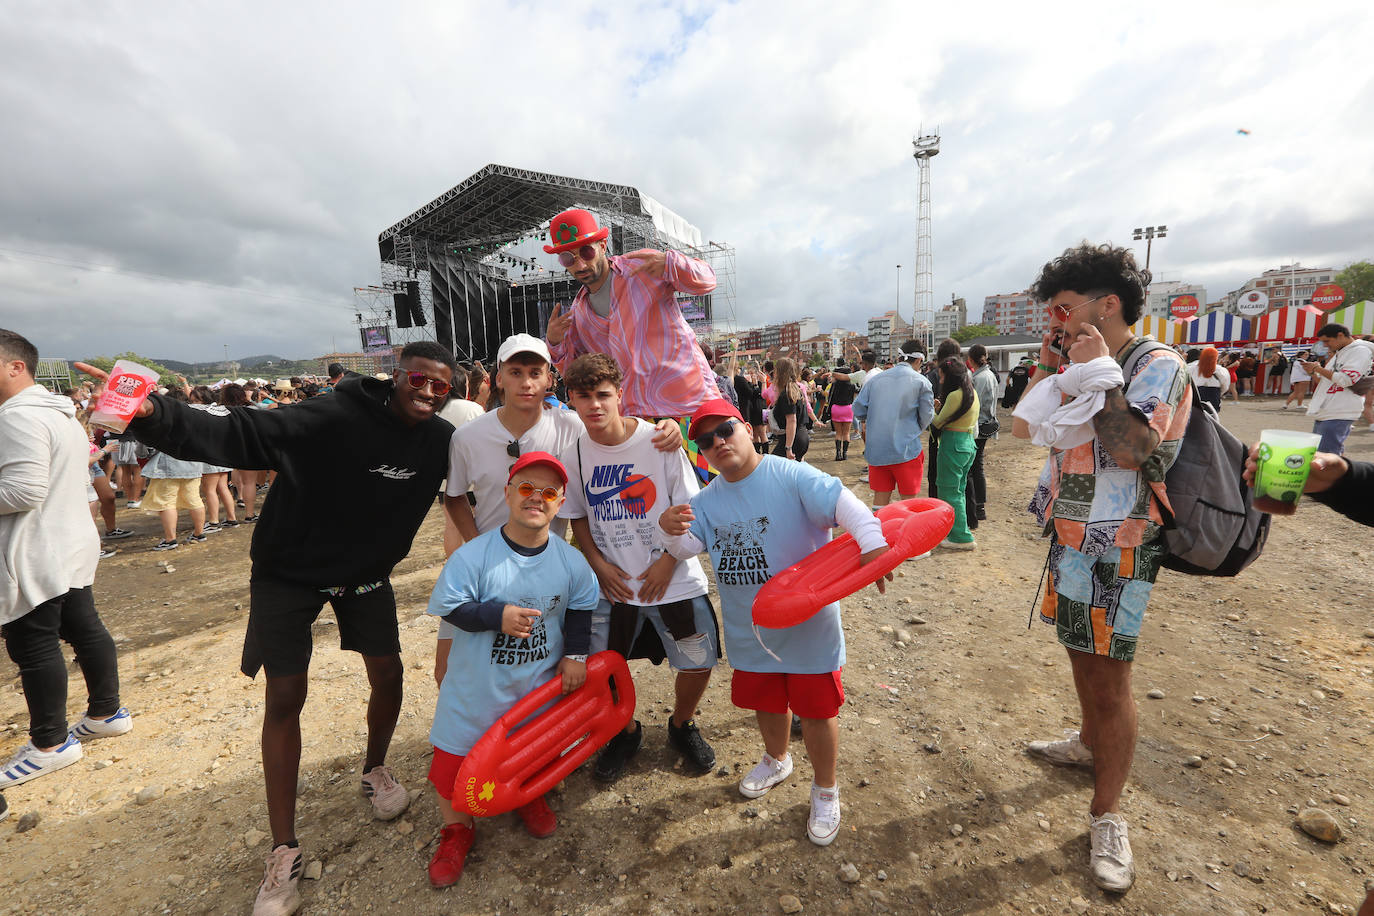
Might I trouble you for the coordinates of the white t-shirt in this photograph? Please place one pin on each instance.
(622, 490)
(477, 458)
(857, 378)
(461, 411)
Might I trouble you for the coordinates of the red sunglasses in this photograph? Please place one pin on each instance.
(418, 380)
(586, 253)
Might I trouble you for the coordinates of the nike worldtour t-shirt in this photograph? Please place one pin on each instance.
(622, 490)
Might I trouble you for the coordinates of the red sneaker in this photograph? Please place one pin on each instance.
(539, 818)
(455, 841)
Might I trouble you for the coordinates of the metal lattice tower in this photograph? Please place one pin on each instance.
(925, 147)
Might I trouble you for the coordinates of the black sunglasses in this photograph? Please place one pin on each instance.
(513, 449)
(707, 441)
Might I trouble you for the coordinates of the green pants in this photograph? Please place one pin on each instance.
(953, 461)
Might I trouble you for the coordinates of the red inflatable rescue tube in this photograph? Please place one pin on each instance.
(911, 527)
(509, 767)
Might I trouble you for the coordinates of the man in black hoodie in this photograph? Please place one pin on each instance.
(382, 444)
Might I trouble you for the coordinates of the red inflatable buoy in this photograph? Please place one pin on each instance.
(911, 527)
(512, 765)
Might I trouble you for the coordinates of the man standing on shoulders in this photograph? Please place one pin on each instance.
(1335, 407)
(310, 547)
(50, 550)
(897, 406)
(1101, 495)
(627, 308)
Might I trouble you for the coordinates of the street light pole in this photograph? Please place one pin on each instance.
(1149, 234)
(899, 288)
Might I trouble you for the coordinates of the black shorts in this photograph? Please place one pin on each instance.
(280, 615)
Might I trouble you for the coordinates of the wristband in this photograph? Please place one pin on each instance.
(577, 658)
(1044, 368)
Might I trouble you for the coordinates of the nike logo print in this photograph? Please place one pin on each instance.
(596, 499)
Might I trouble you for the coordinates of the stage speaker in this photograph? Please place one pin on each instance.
(417, 310)
(400, 307)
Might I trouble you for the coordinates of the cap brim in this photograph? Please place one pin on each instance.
(597, 236)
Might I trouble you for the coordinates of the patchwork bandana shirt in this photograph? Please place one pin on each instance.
(1093, 503)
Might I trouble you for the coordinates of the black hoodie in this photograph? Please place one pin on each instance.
(353, 480)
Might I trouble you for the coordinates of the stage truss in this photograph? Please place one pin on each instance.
(477, 254)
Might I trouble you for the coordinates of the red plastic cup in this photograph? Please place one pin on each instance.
(126, 389)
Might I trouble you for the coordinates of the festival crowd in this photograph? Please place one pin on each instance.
(658, 453)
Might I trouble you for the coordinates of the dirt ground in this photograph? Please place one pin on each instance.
(1266, 677)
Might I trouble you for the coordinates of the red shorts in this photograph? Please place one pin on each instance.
(443, 772)
(811, 696)
(904, 477)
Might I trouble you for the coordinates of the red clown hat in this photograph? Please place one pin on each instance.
(572, 229)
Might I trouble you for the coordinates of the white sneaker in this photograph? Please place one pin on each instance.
(30, 763)
(958, 545)
(279, 893)
(1113, 866)
(389, 798)
(1068, 752)
(765, 775)
(121, 723)
(824, 821)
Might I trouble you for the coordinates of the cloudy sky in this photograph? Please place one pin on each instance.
(182, 177)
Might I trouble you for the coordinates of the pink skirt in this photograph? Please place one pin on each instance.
(842, 413)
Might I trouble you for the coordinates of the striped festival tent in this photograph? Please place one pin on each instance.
(1359, 318)
(1164, 330)
(1218, 328)
(1292, 322)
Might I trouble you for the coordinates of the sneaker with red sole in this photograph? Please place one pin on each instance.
(455, 842)
(539, 819)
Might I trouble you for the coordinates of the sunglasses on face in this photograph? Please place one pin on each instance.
(707, 441)
(1062, 312)
(527, 489)
(418, 380)
(586, 253)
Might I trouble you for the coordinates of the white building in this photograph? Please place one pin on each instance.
(886, 334)
(950, 319)
(1291, 284)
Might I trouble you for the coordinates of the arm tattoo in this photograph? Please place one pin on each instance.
(1125, 435)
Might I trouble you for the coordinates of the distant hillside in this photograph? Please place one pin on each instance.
(248, 362)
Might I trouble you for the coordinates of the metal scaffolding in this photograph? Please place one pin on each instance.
(476, 252)
(925, 147)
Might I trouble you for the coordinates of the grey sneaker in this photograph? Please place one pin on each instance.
(1068, 752)
(766, 774)
(389, 799)
(824, 821)
(1113, 866)
(279, 893)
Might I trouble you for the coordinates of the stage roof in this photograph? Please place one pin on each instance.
(500, 203)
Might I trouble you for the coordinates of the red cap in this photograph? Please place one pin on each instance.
(573, 229)
(716, 407)
(545, 458)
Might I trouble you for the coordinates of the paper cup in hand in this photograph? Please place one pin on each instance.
(1282, 462)
(126, 389)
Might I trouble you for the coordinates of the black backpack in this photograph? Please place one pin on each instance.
(1214, 529)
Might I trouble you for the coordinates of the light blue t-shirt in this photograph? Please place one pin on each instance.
(488, 672)
(757, 527)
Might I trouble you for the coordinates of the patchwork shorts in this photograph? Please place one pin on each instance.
(1097, 604)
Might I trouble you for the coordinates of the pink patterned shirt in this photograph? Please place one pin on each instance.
(666, 374)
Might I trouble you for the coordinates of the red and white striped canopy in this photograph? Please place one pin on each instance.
(1292, 322)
